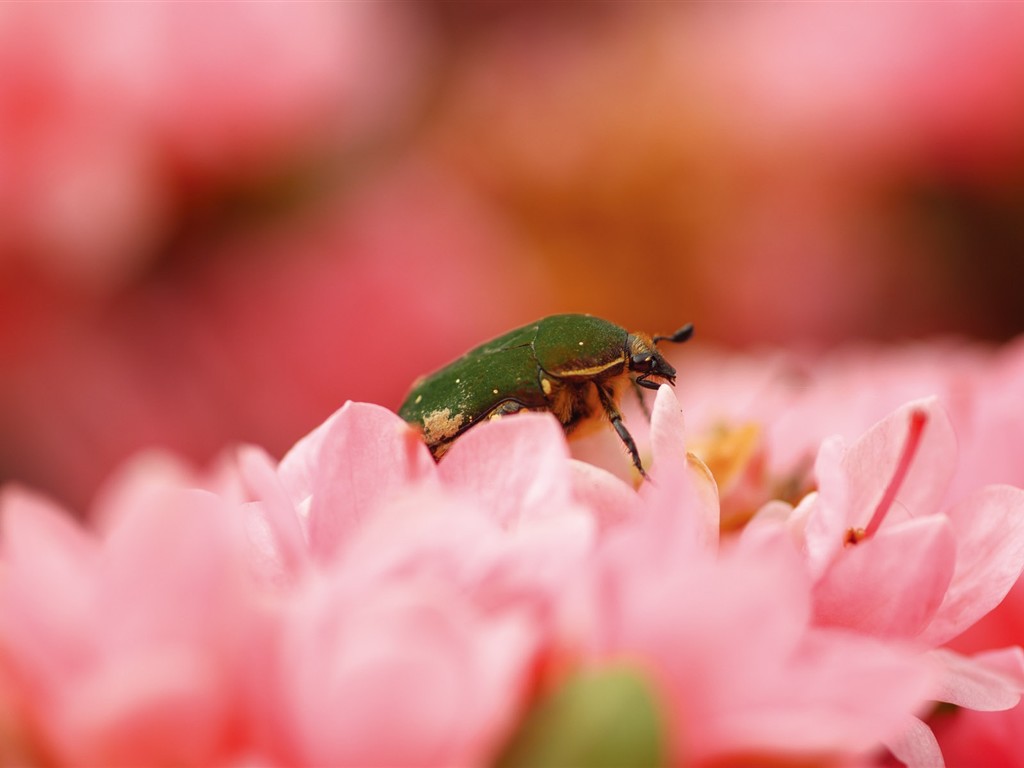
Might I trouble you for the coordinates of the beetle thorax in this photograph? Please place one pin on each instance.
(640, 345)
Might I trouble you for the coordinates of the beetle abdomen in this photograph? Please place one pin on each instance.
(467, 391)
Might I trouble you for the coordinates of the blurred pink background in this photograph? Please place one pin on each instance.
(218, 222)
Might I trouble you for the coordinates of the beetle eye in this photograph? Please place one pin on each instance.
(642, 362)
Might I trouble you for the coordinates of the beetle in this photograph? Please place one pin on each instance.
(574, 366)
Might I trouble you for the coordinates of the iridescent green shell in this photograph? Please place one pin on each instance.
(509, 372)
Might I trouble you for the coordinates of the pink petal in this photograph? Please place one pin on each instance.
(517, 466)
(989, 681)
(172, 571)
(135, 481)
(772, 513)
(151, 473)
(915, 745)
(989, 530)
(827, 514)
(781, 515)
(298, 468)
(158, 707)
(680, 486)
(361, 456)
(873, 459)
(396, 680)
(825, 698)
(668, 433)
(891, 584)
(609, 499)
(270, 567)
(48, 575)
(284, 542)
(38, 534)
(435, 537)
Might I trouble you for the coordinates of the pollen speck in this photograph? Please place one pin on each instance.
(494, 391)
(581, 343)
(441, 425)
(419, 398)
(545, 384)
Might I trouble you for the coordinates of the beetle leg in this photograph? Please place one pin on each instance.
(608, 402)
(640, 396)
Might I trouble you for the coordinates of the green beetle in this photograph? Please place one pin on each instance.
(574, 366)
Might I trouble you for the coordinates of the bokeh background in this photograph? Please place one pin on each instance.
(220, 221)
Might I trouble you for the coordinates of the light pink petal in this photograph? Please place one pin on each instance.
(136, 480)
(37, 533)
(779, 515)
(428, 535)
(269, 565)
(678, 610)
(298, 468)
(275, 513)
(158, 707)
(668, 434)
(680, 486)
(891, 584)
(608, 498)
(363, 455)
(825, 698)
(872, 461)
(395, 680)
(506, 653)
(989, 681)
(989, 530)
(173, 571)
(437, 538)
(915, 745)
(732, 650)
(827, 511)
(773, 513)
(517, 466)
(800, 516)
(48, 573)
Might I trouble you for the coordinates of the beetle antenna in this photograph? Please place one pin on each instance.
(683, 334)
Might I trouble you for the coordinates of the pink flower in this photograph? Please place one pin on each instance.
(119, 643)
(758, 419)
(878, 508)
(728, 639)
(889, 561)
(186, 610)
(358, 604)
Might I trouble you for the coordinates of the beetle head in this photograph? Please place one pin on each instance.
(646, 360)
